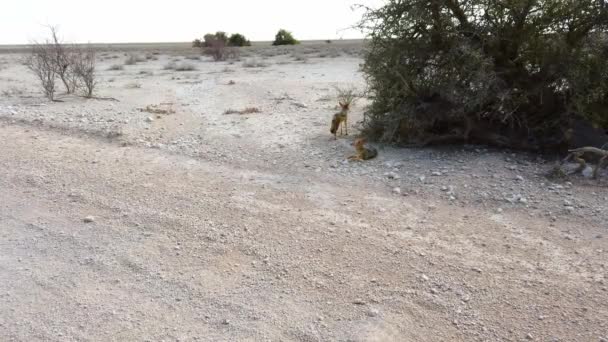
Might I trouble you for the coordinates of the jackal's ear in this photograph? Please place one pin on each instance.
(344, 105)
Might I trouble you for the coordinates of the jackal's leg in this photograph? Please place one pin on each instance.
(581, 162)
(346, 125)
(599, 166)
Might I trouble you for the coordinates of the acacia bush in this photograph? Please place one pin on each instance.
(237, 39)
(512, 73)
(284, 37)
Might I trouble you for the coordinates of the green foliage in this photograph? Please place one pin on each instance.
(197, 43)
(284, 37)
(237, 39)
(516, 73)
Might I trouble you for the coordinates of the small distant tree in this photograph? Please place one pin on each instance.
(284, 37)
(238, 39)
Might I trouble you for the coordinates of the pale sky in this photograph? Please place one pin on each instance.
(111, 21)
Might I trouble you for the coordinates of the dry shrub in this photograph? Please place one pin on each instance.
(133, 85)
(84, 69)
(347, 95)
(41, 63)
(254, 63)
(248, 110)
(184, 67)
(116, 67)
(133, 59)
(220, 51)
(163, 108)
(170, 66)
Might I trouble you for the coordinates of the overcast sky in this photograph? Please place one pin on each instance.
(177, 20)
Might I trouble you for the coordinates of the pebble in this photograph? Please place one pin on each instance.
(149, 119)
(392, 175)
(397, 191)
(372, 312)
(89, 219)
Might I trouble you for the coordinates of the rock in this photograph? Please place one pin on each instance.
(225, 322)
(299, 104)
(434, 290)
(397, 191)
(392, 175)
(372, 312)
(436, 173)
(519, 178)
(149, 119)
(89, 219)
(359, 302)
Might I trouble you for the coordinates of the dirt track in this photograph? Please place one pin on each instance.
(273, 238)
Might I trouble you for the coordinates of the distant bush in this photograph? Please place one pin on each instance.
(211, 39)
(238, 39)
(116, 67)
(197, 43)
(284, 37)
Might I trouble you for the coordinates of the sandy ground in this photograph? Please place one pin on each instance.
(124, 225)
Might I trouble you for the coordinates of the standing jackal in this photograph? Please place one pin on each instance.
(340, 120)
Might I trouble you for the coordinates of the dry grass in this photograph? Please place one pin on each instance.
(13, 91)
(133, 85)
(248, 110)
(133, 59)
(116, 67)
(170, 66)
(163, 108)
(185, 67)
(299, 57)
(254, 63)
